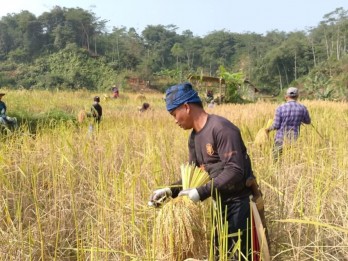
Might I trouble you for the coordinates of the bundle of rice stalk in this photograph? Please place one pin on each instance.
(180, 229)
(262, 136)
(81, 116)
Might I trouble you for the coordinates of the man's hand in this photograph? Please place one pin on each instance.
(259, 203)
(191, 193)
(159, 195)
(267, 131)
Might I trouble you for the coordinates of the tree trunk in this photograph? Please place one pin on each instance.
(286, 74)
(188, 59)
(295, 69)
(338, 44)
(280, 80)
(327, 47)
(313, 52)
(95, 44)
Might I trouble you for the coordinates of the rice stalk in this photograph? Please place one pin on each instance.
(262, 137)
(180, 230)
(81, 116)
(192, 176)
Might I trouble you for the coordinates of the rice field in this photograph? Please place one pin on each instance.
(71, 194)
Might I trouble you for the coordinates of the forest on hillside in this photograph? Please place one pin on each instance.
(70, 48)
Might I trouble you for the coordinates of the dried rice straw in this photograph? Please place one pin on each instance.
(180, 229)
(262, 136)
(81, 116)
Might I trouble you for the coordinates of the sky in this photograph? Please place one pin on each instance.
(199, 16)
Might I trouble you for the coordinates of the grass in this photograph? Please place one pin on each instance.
(69, 195)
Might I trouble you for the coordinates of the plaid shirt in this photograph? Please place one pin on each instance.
(287, 120)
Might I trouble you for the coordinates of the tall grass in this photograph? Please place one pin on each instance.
(67, 194)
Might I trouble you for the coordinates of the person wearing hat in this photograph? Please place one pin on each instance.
(287, 120)
(216, 145)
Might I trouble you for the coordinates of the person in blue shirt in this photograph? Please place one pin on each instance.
(3, 107)
(287, 120)
(10, 122)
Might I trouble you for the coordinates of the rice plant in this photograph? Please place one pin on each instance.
(67, 194)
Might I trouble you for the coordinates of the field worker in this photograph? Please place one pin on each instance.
(115, 92)
(144, 107)
(96, 110)
(4, 119)
(287, 120)
(216, 145)
(3, 107)
(96, 113)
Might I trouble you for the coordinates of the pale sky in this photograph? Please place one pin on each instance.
(198, 16)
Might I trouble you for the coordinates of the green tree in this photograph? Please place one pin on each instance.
(5, 40)
(335, 26)
(160, 40)
(24, 32)
(82, 23)
(193, 47)
(233, 82)
(218, 49)
(178, 52)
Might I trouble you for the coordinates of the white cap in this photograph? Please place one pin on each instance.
(292, 92)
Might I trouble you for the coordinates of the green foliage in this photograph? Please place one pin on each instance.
(5, 80)
(233, 82)
(18, 55)
(70, 48)
(327, 81)
(70, 68)
(174, 75)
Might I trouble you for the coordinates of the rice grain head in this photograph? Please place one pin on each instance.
(262, 137)
(180, 229)
(81, 116)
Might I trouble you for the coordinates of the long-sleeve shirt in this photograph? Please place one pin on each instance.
(288, 119)
(2, 108)
(220, 141)
(97, 112)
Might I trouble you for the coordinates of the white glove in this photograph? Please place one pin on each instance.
(160, 193)
(191, 193)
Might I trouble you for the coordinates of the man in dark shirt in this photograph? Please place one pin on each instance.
(96, 113)
(96, 110)
(287, 120)
(216, 145)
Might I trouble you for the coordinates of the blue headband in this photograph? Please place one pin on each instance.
(179, 94)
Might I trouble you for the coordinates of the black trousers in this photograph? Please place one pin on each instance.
(237, 215)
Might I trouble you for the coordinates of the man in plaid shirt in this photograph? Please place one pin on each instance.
(287, 120)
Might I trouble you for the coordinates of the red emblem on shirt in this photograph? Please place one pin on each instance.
(210, 149)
